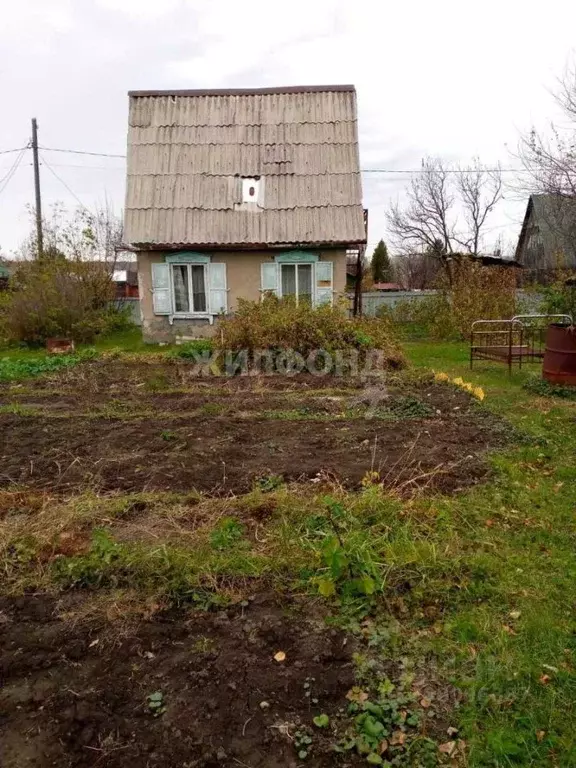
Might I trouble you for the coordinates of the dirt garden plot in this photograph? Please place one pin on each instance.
(70, 697)
(122, 426)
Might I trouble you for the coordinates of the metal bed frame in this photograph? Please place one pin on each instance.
(511, 341)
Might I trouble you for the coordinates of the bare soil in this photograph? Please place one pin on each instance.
(101, 426)
(70, 697)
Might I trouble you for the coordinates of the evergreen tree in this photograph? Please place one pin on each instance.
(381, 265)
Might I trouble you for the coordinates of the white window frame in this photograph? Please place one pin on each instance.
(297, 264)
(191, 312)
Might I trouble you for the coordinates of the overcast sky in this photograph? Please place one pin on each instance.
(450, 78)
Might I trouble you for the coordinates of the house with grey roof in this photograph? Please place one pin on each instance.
(232, 194)
(548, 236)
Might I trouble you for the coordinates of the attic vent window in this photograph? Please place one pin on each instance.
(251, 190)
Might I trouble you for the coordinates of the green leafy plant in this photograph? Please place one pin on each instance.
(303, 743)
(192, 350)
(270, 483)
(156, 703)
(168, 435)
(385, 726)
(321, 721)
(348, 570)
(13, 369)
(539, 386)
(227, 533)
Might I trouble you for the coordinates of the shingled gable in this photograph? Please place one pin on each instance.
(192, 153)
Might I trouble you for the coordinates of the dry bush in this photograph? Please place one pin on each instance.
(57, 297)
(481, 293)
(280, 324)
(477, 293)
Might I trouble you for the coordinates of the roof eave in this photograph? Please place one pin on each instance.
(243, 246)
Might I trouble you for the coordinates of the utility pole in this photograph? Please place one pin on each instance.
(39, 235)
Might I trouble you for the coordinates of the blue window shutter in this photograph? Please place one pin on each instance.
(161, 291)
(269, 277)
(324, 282)
(218, 289)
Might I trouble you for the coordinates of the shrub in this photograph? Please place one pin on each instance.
(476, 293)
(280, 324)
(58, 297)
(559, 298)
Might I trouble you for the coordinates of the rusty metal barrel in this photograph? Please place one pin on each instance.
(560, 355)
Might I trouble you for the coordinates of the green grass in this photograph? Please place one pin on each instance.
(511, 633)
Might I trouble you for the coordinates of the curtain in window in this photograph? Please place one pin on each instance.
(305, 282)
(198, 289)
(181, 295)
(288, 279)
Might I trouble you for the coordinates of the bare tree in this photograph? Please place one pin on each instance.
(550, 159)
(429, 222)
(549, 164)
(80, 235)
(480, 191)
(416, 271)
(427, 218)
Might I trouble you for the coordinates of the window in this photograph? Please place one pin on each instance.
(296, 280)
(251, 189)
(189, 288)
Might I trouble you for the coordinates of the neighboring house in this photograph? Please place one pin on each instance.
(386, 287)
(231, 194)
(548, 237)
(125, 278)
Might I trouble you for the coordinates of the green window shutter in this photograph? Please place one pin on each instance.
(218, 289)
(161, 291)
(324, 282)
(269, 277)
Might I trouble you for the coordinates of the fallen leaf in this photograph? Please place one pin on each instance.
(508, 630)
(452, 731)
(280, 656)
(93, 643)
(489, 523)
(357, 694)
(515, 614)
(550, 668)
(448, 748)
(545, 679)
(383, 746)
(540, 736)
(425, 703)
(397, 739)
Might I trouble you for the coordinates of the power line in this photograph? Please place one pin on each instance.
(7, 178)
(446, 170)
(61, 180)
(89, 167)
(8, 151)
(363, 170)
(81, 152)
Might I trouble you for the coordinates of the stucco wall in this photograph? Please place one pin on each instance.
(243, 276)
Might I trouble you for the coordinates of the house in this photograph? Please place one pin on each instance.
(231, 194)
(386, 287)
(125, 279)
(548, 237)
